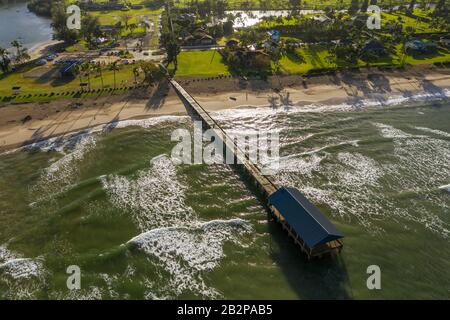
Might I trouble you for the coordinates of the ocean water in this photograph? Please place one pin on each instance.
(111, 201)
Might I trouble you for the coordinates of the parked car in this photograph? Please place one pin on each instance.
(41, 62)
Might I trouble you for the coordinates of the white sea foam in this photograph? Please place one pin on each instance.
(21, 268)
(146, 123)
(63, 168)
(60, 143)
(302, 164)
(264, 111)
(183, 246)
(61, 173)
(352, 188)
(155, 198)
(6, 255)
(363, 170)
(22, 276)
(434, 131)
(423, 162)
(187, 253)
(89, 293)
(16, 266)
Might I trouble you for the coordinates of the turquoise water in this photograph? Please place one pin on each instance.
(139, 227)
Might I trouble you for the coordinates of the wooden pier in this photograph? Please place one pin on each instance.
(330, 237)
(266, 185)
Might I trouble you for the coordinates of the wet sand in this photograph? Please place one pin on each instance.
(22, 124)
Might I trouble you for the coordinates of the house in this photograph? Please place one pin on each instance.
(321, 19)
(186, 17)
(232, 43)
(310, 229)
(103, 6)
(374, 47)
(420, 46)
(274, 35)
(257, 59)
(98, 40)
(199, 39)
(107, 28)
(445, 42)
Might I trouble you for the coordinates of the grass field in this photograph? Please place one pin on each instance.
(135, 17)
(200, 63)
(305, 59)
(206, 63)
(45, 79)
(406, 21)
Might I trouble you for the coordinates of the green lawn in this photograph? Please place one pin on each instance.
(318, 57)
(305, 59)
(44, 79)
(443, 55)
(406, 21)
(112, 17)
(80, 46)
(200, 63)
(135, 17)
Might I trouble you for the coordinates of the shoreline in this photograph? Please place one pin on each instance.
(39, 49)
(25, 124)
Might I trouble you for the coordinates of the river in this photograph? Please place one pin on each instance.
(18, 23)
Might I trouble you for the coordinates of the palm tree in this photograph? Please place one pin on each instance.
(136, 72)
(132, 27)
(114, 67)
(16, 44)
(22, 53)
(98, 68)
(79, 70)
(87, 68)
(126, 23)
(4, 62)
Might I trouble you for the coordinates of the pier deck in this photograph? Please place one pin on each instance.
(299, 217)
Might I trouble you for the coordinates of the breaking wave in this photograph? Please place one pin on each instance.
(188, 253)
(185, 247)
(22, 277)
(264, 113)
(155, 197)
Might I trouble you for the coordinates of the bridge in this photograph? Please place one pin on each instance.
(304, 223)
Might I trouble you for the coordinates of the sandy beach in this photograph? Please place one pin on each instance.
(23, 124)
(42, 48)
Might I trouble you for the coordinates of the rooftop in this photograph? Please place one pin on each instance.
(304, 217)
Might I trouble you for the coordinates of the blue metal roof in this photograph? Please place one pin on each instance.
(304, 217)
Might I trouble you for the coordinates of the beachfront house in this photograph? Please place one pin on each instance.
(418, 46)
(198, 39)
(445, 41)
(373, 48)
